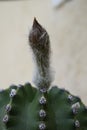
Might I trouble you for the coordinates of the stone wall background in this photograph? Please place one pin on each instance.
(67, 27)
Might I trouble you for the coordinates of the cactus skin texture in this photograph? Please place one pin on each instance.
(4, 100)
(25, 108)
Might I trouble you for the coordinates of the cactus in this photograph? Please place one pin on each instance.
(25, 107)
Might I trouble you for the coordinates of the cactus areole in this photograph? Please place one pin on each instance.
(25, 107)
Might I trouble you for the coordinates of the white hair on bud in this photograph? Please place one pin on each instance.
(40, 44)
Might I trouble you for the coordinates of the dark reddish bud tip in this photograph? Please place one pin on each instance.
(35, 24)
(36, 32)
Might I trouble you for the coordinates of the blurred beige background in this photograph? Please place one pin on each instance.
(67, 27)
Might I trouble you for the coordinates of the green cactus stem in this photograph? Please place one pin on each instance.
(4, 100)
(25, 110)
